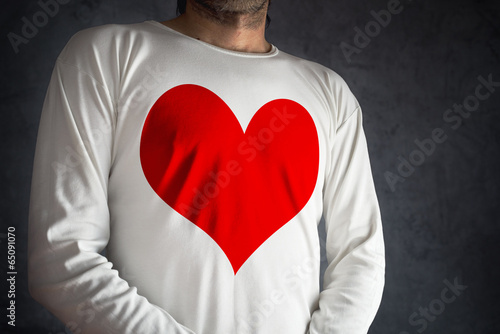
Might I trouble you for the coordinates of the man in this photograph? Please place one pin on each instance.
(202, 158)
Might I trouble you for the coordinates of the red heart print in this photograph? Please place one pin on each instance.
(240, 187)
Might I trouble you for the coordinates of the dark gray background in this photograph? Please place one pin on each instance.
(442, 223)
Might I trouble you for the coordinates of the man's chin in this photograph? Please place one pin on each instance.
(232, 7)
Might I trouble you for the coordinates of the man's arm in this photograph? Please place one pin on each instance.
(354, 278)
(69, 217)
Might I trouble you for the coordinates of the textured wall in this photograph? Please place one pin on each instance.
(440, 203)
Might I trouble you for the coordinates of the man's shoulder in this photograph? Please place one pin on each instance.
(104, 33)
(102, 39)
(320, 71)
(327, 82)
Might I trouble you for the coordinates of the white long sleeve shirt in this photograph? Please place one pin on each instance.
(204, 172)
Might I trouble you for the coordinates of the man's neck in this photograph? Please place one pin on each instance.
(237, 32)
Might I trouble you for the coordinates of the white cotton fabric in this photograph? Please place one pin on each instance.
(161, 273)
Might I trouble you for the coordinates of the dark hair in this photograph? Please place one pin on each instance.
(181, 9)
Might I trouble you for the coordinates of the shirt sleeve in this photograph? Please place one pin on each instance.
(69, 217)
(354, 277)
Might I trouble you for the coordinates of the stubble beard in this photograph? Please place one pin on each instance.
(227, 11)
